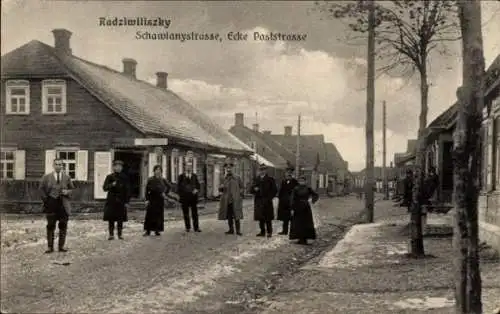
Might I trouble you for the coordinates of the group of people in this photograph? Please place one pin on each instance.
(294, 209)
(428, 190)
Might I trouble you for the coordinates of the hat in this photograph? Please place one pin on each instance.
(262, 166)
(117, 162)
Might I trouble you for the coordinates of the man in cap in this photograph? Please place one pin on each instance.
(284, 196)
(117, 185)
(188, 187)
(264, 190)
(56, 188)
(231, 200)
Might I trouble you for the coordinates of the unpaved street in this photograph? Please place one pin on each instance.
(179, 272)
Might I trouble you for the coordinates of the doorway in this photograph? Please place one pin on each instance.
(132, 167)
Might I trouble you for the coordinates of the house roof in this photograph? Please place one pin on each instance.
(447, 119)
(311, 146)
(334, 156)
(151, 110)
(273, 153)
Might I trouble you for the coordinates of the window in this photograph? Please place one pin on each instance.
(7, 164)
(54, 97)
(69, 159)
(18, 97)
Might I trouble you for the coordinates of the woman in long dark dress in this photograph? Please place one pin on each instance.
(157, 190)
(302, 224)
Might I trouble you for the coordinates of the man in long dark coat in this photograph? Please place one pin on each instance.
(56, 188)
(408, 189)
(231, 200)
(117, 185)
(284, 194)
(264, 190)
(188, 187)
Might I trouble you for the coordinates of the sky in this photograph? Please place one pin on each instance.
(322, 78)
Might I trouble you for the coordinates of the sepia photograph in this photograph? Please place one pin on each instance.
(246, 157)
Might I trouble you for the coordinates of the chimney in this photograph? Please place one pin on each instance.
(161, 79)
(288, 130)
(267, 132)
(129, 66)
(239, 119)
(255, 127)
(61, 40)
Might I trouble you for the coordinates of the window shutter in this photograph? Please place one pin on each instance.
(151, 163)
(195, 165)
(82, 160)
(489, 159)
(20, 165)
(181, 164)
(102, 167)
(50, 155)
(172, 167)
(164, 165)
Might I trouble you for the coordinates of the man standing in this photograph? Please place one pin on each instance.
(56, 188)
(264, 190)
(188, 187)
(117, 185)
(231, 200)
(284, 195)
(408, 189)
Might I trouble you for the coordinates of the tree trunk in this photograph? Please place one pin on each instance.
(417, 240)
(467, 161)
(370, 119)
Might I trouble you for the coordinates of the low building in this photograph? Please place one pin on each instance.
(59, 105)
(439, 146)
(316, 162)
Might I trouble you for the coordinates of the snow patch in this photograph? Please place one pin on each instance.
(360, 247)
(426, 303)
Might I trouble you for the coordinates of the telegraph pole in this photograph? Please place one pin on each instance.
(385, 186)
(370, 104)
(297, 153)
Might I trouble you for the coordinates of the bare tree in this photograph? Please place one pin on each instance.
(467, 161)
(407, 33)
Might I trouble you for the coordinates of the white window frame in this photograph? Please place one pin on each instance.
(17, 84)
(67, 162)
(46, 84)
(6, 161)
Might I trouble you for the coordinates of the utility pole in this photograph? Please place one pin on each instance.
(370, 103)
(297, 153)
(385, 186)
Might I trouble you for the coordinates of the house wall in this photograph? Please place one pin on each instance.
(489, 199)
(88, 124)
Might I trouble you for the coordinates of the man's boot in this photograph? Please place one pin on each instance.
(238, 227)
(50, 241)
(119, 229)
(230, 223)
(262, 226)
(62, 239)
(285, 228)
(111, 229)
